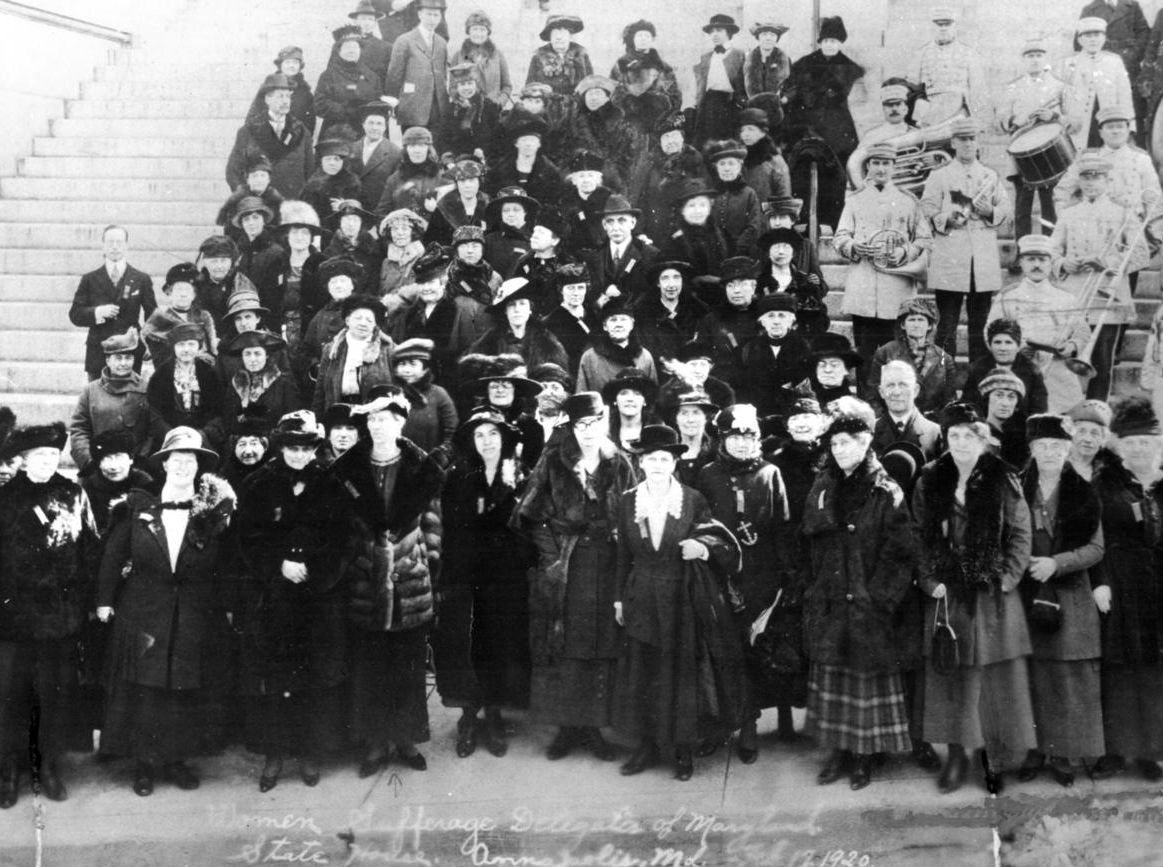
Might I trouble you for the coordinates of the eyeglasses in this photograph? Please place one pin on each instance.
(587, 423)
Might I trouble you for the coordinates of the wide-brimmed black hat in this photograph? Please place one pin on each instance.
(339, 266)
(569, 22)
(550, 372)
(633, 379)
(776, 301)
(510, 435)
(361, 301)
(833, 345)
(903, 461)
(689, 188)
(298, 428)
(721, 22)
(584, 404)
(37, 436)
(433, 263)
(1046, 425)
(512, 195)
(697, 398)
(655, 270)
(780, 236)
(525, 123)
(249, 339)
(658, 438)
(523, 387)
(342, 414)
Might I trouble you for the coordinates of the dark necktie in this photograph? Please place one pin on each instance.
(719, 49)
(179, 504)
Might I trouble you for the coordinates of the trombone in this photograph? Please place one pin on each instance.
(1099, 293)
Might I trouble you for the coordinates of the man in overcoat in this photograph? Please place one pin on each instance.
(374, 157)
(284, 141)
(416, 81)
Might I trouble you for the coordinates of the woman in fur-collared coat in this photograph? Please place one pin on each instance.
(357, 358)
(974, 531)
(861, 557)
(569, 509)
(395, 533)
(1066, 517)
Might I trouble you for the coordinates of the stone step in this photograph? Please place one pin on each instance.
(105, 212)
(37, 288)
(136, 127)
(70, 236)
(33, 316)
(21, 262)
(191, 168)
(132, 147)
(49, 345)
(213, 192)
(53, 376)
(235, 86)
(43, 407)
(160, 109)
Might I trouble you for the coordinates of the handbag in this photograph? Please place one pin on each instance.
(1045, 611)
(945, 653)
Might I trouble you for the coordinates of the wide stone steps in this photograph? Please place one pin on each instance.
(189, 168)
(236, 86)
(125, 189)
(48, 345)
(53, 377)
(205, 148)
(23, 316)
(159, 109)
(144, 237)
(139, 127)
(43, 408)
(77, 262)
(104, 211)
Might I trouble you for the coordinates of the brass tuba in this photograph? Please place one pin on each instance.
(918, 152)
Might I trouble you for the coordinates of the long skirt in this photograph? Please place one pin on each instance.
(307, 723)
(1132, 706)
(988, 707)
(154, 724)
(388, 687)
(1067, 707)
(648, 704)
(715, 117)
(857, 711)
(573, 692)
(38, 684)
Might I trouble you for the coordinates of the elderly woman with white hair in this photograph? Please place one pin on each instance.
(973, 527)
(860, 564)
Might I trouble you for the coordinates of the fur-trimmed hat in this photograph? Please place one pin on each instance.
(214, 247)
(633, 379)
(570, 273)
(117, 441)
(779, 236)
(22, 439)
(775, 302)
(850, 415)
(1003, 326)
(298, 428)
(1134, 416)
(550, 372)
(719, 149)
(955, 414)
(803, 400)
(1046, 425)
(127, 342)
(756, 117)
(478, 19)
(739, 268)
(339, 266)
(343, 415)
(186, 331)
(586, 161)
(183, 272)
(362, 301)
(469, 233)
(833, 345)
(916, 306)
(290, 52)
(833, 27)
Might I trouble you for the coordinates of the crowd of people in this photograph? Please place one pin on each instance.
(545, 399)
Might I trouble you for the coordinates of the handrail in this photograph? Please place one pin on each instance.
(66, 22)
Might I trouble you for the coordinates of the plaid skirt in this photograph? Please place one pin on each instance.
(861, 712)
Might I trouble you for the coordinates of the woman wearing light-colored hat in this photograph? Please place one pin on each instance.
(166, 610)
(291, 528)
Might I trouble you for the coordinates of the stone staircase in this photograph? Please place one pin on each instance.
(145, 145)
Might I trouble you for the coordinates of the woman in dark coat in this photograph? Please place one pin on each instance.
(464, 206)
(691, 417)
(333, 179)
(680, 672)
(696, 238)
(600, 127)
(859, 567)
(396, 533)
(648, 88)
(746, 495)
(353, 237)
(560, 63)
(258, 382)
(483, 635)
(524, 165)
(767, 66)
(569, 508)
(517, 332)
(671, 162)
(48, 556)
(162, 583)
(1067, 542)
(345, 85)
(974, 531)
(186, 390)
(291, 603)
(363, 341)
(414, 184)
(1129, 595)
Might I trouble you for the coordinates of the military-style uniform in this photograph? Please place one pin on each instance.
(953, 76)
(1093, 81)
(1133, 180)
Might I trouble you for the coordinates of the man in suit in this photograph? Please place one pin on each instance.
(901, 421)
(720, 89)
(111, 300)
(1127, 35)
(284, 141)
(618, 268)
(399, 17)
(375, 156)
(416, 83)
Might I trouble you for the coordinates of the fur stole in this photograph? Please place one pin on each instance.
(371, 352)
(1078, 506)
(626, 356)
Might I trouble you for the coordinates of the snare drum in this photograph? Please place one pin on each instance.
(1042, 154)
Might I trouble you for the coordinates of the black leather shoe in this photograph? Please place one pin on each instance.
(309, 772)
(414, 760)
(1149, 769)
(993, 781)
(1033, 763)
(1107, 766)
(953, 774)
(646, 756)
(833, 768)
(143, 779)
(747, 746)
(602, 749)
(707, 747)
(269, 778)
(466, 736)
(9, 784)
(51, 784)
(372, 765)
(1059, 768)
(495, 741)
(182, 776)
(684, 765)
(563, 743)
(861, 773)
(926, 757)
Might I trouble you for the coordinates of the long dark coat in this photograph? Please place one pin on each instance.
(343, 87)
(48, 558)
(109, 404)
(133, 296)
(302, 105)
(629, 276)
(610, 134)
(280, 397)
(291, 155)
(385, 158)
(1132, 633)
(321, 188)
(467, 128)
(374, 369)
(262, 261)
(653, 190)
(859, 569)
(1077, 546)
(992, 534)
(662, 334)
(409, 185)
(544, 182)
(450, 215)
(811, 311)
(453, 326)
(164, 618)
(817, 99)
(293, 635)
(765, 375)
(539, 346)
(163, 398)
(575, 335)
(728, 330)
